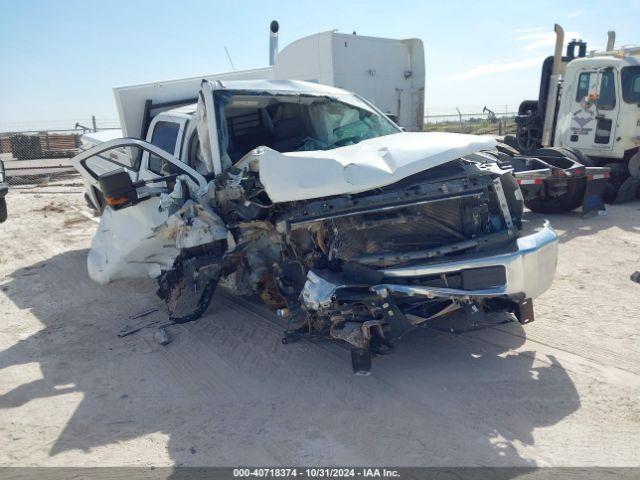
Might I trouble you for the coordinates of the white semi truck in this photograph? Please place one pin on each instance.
(588, 103)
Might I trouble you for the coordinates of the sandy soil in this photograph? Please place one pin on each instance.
(564, 390)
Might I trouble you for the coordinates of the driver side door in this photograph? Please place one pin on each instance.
(127, 242)
(594, 110)
(119, 153)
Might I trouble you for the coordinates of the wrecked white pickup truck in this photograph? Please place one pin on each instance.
(312, 199)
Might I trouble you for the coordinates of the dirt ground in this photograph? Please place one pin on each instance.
(564, 390)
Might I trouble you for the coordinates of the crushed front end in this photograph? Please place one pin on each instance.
(367, 268)
(325, 210)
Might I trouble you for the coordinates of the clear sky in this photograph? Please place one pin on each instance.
(60, 59)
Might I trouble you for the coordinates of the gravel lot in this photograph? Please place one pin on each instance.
(564, 390)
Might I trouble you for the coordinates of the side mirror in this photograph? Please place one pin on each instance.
(117, 188)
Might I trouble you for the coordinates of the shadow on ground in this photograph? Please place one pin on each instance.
(227, 392)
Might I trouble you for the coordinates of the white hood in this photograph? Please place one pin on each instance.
(367, 165)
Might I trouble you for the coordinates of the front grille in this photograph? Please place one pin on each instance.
(407, 229)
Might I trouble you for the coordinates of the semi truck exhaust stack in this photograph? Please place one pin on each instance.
(273, 41)
(611, 40)
(552, 97)
(557, 55)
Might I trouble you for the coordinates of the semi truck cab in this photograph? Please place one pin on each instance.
(599, 111)
(589, 107)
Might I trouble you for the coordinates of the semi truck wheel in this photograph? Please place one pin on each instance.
(512, 142)
(634, 165)
(570, 200)
(576, 187)
(508, 148)
(576, 155)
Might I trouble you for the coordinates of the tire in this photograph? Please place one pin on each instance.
(512, 142)
(576, 187)
(618, 175)
(3, 209)
(577, 156)
(184, 303)
(634, 165)
(568, 152)
(203, 304)
(570, 200)
(507, 148)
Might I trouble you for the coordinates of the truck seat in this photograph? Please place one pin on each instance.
(288, 134)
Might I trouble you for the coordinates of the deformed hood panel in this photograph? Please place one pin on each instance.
(370, 164)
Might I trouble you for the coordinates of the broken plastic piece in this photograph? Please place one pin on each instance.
(162, 336)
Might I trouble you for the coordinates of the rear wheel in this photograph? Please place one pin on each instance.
(576, 187)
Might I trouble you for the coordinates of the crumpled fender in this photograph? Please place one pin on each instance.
(142, 240)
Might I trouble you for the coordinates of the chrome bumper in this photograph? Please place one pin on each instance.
(529, 270)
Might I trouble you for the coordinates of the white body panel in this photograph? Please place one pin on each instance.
(125, 246)
(130, 101)
(100, 164)
(577, 120)
(389, 73)
(365, 166)
(143, 239)
(91, 139)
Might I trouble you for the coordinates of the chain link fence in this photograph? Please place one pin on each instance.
(34, 155)
(40, 156)
(496, 120)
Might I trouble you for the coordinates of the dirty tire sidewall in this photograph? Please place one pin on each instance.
(634, 165)
(203, 304)
(3, 209)
(505, 147)
(512, 142)
(578, 156)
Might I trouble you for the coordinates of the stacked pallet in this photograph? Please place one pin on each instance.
(59, 141)
(5, 144)
(27, 146)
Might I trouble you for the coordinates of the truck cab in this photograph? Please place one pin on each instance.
(588, 108)
(286, 115)
(174, 131)
(599, 111)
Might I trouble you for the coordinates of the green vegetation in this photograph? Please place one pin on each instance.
(474, 125)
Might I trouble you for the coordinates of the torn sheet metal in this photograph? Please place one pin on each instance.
(125, 245)
(191, 226)
(370, 164)
(143, 241)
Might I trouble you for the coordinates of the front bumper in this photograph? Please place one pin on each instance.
(529, 270)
